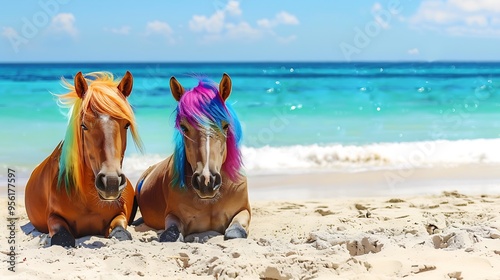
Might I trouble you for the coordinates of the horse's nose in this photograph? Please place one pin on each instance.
(206, 186)
(110, 186)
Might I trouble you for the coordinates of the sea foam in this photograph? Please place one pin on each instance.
(351, 158)
(334, 158)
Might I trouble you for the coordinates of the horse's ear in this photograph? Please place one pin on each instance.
(125, 86)
(225, 86)
(176, 89)
(80, 85)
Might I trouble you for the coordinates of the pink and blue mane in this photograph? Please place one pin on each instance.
(203, 107)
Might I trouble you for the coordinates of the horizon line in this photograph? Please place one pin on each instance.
(250, 61)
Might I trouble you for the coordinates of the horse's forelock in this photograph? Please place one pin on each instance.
(202, 105)
(104, 98)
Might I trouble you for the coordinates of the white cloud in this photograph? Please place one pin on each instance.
(477, 5)
(233, 8)
(9, 32)
(376, 7)
(376, 10)
(15, 40)
(64, 23)
(226, 23)
(124, 30)
(471, 31)
(216, 22)
(477, 20)
(265, 23)
(436, 12)
(282, 17)
(458, 17)
(286, 18)
(242, 30)
(159, 28)
(212, 24)
(162, 29)
(413, 51)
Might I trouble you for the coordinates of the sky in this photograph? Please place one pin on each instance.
(244, 30)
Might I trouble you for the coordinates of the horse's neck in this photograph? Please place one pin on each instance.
(226, 180)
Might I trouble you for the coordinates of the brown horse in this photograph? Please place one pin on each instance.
(80, 189)
(200, 188)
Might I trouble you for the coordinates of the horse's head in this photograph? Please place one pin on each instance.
(101, 125)
(209, 135)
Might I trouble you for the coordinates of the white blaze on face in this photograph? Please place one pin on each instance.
(206, 170)
(108, 130)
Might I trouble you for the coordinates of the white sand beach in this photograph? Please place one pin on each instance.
(300, 235)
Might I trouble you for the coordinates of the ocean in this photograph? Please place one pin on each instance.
(296, 116)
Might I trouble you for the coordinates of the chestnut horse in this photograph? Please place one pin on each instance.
(199, 189)
(80, 189)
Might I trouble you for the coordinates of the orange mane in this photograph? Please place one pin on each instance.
(101, 97)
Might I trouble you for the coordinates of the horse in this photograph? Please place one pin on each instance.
(79, 189)
(200, 188)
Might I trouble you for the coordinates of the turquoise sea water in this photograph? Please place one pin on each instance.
(314, 114)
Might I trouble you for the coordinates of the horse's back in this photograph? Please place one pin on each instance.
(150, 193)
(38, 190)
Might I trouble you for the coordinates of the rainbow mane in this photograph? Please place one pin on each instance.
(101, 97)
(203, 107)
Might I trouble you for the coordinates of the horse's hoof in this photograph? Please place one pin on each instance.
(235, 231)
(171, 234)
(120, 233)
(63, 238)
(138, 222)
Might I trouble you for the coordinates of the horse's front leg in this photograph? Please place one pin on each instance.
(118, 228)
(238, 228)
(59, 231)
(172, 231)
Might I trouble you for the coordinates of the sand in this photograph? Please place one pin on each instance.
(449, 235)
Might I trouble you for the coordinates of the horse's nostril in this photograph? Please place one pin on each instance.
(196, 181)
(217, 181)
(110, 183)
(206, 184)
(123, 180)
(100, 181)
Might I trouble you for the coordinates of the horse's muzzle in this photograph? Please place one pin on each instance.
(110, 186)
(206, 188)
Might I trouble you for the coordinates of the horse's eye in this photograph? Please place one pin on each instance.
(184, 128)
(226, 126)
(127, 125)
(84, 127)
